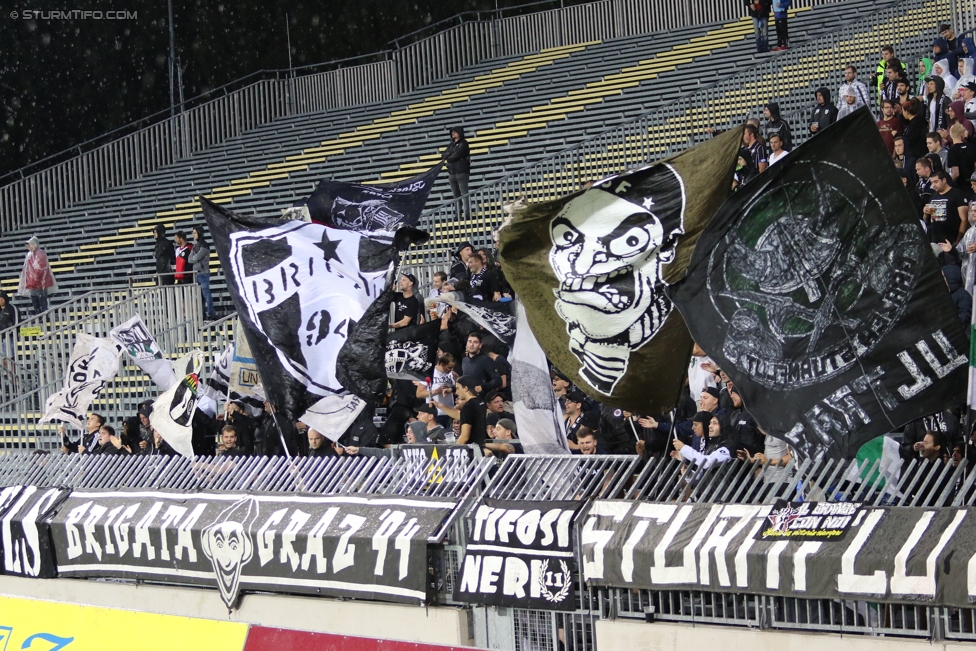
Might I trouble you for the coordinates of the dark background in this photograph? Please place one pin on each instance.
(63, 82)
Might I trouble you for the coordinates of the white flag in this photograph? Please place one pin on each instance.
(93, 362)
(537, 412)
(219, 386)
(333, 415)
(243, 370)
(172, 414)
(138, 342)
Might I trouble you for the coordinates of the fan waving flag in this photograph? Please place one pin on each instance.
(94, 362)
(814, 289)
(411, 352)
(591, 270)
(134, 337)
(360, 207)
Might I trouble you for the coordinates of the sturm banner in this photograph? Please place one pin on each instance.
(520, 555)
(915, 555)
(25, 530)
(344, 546)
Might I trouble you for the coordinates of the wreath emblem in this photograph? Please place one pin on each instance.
(561, 594)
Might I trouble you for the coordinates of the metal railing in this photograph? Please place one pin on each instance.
(403, 69)
(172, 313)
(678, 124)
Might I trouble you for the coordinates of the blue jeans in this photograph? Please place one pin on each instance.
(761, 26)
(208, 306)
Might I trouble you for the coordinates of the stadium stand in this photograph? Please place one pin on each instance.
(517, 109)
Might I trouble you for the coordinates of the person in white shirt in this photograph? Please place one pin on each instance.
(437, 310)
(776, 145)
(699, 375)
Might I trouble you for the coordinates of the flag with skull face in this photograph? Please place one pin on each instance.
(592, 268)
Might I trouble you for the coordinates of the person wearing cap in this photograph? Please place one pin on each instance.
(560, 386)
(36, 279)
(459, 267)
(496, 404)
(969, 100)
(472, 416)
(504, 442)
(407, 308)
(426, 429)
(457, 155)
(8, 315)
(709, 400)
(573, 415)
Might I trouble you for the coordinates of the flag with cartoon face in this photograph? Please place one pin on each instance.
(592, 268)
(816, 292)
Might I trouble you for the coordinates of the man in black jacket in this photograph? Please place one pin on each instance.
(824, 113)
(8, 313)
(165, 256)
(457, 155)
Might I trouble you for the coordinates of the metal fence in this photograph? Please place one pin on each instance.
(35, 370)
(677, 125)
(105, 166)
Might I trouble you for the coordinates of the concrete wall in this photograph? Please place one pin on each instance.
(661, 636)
(436, 625)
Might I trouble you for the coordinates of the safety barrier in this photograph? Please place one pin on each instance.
(609, 495)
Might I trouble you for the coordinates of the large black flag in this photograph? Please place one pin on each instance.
(299, 289)
(814, 289)
(411, 352)
(359, 207)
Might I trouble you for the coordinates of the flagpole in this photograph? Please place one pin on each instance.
(967, 421)
(281, 435)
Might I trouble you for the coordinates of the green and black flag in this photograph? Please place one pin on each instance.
(815, 290)
(591, 269)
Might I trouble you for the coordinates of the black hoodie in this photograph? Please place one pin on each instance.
(164, 253)
(778, 125)
(458, 155)
(823, 115)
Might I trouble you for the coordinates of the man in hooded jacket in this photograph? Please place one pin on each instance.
(457, 155)
(936, 103)
(824, 113)
(776, 124)
(165, 255)
(940, 50)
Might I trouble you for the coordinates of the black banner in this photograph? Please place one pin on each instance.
(364, 547)
(896, 554)
(25, 530)
(809, 520)
(520, 554)
(376, 207)
(815, 290)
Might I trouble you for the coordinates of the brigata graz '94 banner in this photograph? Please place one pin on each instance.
(521, 555)
(897, 554)
(25, 530)
(365, 547)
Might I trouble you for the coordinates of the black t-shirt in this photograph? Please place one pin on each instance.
(501, 367)
(962, 156)
(944, 222)
(473, 414)
(404, 306)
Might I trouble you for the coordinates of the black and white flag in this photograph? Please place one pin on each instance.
(219, 387)
(411, 352)
(135, 339)
(359, 207)
(94, 361)
(497, 317)
(814, 290)
(172, 414)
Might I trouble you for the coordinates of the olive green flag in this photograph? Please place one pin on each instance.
(591, 269)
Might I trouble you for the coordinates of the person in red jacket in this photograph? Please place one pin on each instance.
(182, 259)
(36, 279)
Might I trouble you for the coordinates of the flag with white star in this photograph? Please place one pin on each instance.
(592, 270)
(299, 289)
